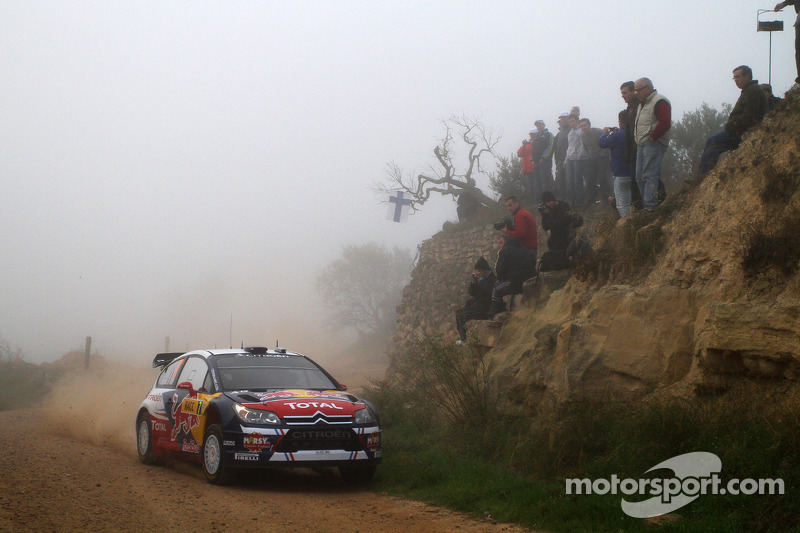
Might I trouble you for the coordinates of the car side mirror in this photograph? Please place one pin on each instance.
(343, 386)
(186, 386)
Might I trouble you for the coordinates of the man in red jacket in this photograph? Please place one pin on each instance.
(524, 153)
(524, 225)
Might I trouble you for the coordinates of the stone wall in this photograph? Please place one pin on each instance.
(438, 282)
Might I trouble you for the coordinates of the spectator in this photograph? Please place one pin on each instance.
(515, 264)
(653, 122)
(616, 140)
(747, 112)
(796, 4)
(524, 153)
(561, 223)
(477, 306)
(772, 100)
(560, 153)
(576, 156)
(594, 172)
(524, 227)
(542, 160)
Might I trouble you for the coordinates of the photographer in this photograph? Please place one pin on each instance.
(561, 223)
(480, 289)
(515, 264)
(524, 226)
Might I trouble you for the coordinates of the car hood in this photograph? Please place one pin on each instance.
(299, 402)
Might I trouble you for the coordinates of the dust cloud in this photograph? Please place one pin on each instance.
(99, 406)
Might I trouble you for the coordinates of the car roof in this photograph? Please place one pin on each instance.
(163, 359)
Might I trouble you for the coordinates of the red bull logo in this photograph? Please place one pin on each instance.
(184, 421)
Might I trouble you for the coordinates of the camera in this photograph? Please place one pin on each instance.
(507, 223)
(543, 208)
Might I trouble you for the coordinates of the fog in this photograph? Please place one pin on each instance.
(185, 169)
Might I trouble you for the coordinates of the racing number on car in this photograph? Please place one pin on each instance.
(190, 406)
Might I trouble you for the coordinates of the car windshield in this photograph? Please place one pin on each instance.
(270, 371)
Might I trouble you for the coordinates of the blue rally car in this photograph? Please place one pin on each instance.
(255, 408)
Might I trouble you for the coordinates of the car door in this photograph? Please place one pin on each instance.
(187, 406)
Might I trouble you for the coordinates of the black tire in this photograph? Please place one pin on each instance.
(216, 470)
(144, 439)
(356, 475)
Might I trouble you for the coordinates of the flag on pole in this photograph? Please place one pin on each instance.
(399, 206)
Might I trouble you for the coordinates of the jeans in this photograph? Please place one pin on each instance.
(543, 177)
(716, 145)
(622, 194)
(648, 171)
(574, 181)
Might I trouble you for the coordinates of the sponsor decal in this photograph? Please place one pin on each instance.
(320, 434)
(182, 420)
(154, 398)
(246, 457)
(190, 446)
(158, 425)
(229, 443)
(287, 394)
(194, 407)
(256, 442)
(318, 405)
(374, 440)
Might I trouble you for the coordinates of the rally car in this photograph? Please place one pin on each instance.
(255, 408)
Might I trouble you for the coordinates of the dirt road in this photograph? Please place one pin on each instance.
(54, 482)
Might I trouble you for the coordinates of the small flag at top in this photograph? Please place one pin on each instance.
(399, 206)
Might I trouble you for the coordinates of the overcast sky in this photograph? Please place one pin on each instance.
(165, 166)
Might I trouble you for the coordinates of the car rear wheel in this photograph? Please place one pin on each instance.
(214, 467)
(356, 474)
(144, 440)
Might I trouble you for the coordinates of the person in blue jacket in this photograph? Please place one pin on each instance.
(614, 139)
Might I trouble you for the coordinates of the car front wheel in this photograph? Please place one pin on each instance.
(144, 440)
(214, 467)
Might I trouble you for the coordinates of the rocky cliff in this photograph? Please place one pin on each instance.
(718, 303)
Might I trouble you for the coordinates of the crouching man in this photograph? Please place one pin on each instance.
(477, 306)
(515, 264)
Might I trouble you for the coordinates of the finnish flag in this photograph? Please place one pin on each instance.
(399, 206)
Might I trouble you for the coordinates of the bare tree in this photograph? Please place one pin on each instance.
(445, 177)
(363, 287)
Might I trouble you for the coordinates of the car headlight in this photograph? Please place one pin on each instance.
(365, 416)
(255, 416)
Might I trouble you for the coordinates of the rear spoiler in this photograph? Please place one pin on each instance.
(163, 359)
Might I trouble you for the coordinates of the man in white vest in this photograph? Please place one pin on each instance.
(651, 133)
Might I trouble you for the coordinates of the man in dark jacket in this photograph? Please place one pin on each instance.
(748, 111)
(560, 153)
(542, 158)
(515, 264)
(560, 222)
(480, 291)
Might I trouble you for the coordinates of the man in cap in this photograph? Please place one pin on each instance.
(480, 289)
